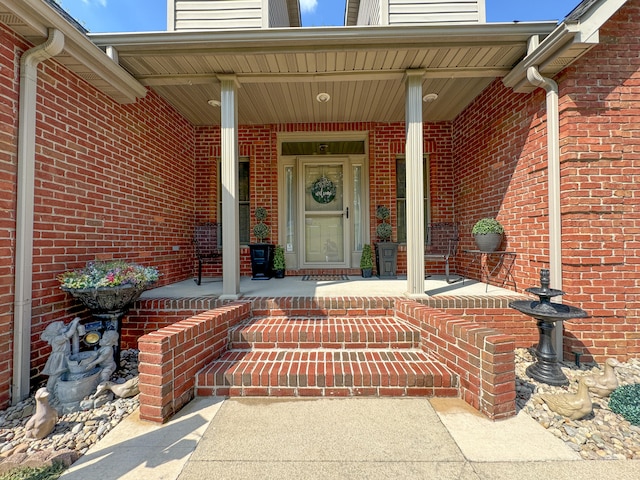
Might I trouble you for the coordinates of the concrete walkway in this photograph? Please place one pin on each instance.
(353, 438)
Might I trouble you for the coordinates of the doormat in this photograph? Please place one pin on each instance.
(324, 278)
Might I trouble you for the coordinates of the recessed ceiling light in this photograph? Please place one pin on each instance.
(214, 103)
(430, 97)
(323, 97)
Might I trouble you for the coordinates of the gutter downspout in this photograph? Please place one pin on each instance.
(24, 210)
(553, 165)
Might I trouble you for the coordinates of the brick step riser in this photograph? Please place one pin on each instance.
(312, 333)
(314, 373)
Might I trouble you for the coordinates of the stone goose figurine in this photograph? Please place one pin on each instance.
(605, 382)
(572, 405)
(44, 420)
(122, 390)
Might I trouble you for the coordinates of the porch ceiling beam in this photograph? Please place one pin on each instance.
(206, 79)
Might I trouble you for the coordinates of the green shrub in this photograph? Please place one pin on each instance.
(50, 472)
(625, 401)
(487, 225)
(261, 214)
(382, 212)
(278, 258)
(366, 261)
(261, 231)
(384, 231)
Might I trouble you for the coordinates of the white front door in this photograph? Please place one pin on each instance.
(324, 197)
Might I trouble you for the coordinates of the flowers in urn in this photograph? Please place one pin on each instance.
(113, 273)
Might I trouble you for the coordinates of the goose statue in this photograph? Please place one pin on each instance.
(44, 420)
(605, 382)
(122, 390)
(572, 405)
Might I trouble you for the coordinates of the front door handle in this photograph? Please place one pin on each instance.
(347, 212)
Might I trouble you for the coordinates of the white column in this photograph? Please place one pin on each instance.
(229, 185)
(415, 187)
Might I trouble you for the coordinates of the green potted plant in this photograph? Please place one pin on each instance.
(366, 261)
(488, 233)
(386, 250)
(261, 252)
(279, 263)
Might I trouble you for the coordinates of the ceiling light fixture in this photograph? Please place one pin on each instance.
(430, 97)
(214, 103)
(323, 97)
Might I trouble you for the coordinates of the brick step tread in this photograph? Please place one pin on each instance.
(322, 332)
(300, 369)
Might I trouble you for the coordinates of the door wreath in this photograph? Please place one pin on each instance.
(323, 190)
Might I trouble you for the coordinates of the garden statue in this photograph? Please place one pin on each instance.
(572, 405)
(74, 375)
(44, 420)
(606, 382)
(104, 357)
(57, 334)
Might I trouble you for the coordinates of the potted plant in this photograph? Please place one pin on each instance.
(261, 252)
(487, 233)
(386, 250)
(108, 289)
(366, 261)
(279, 264)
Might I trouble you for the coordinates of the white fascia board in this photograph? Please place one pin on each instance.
(322, 38)
(41, 17)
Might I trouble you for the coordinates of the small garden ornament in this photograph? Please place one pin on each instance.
(572, 405)
(606, 382)
(58, 335)
(44, 420)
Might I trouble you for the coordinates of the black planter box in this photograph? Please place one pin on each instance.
(386, 259)
(261, 260)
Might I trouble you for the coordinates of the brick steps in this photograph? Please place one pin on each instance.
(317, 332)
(350, 356)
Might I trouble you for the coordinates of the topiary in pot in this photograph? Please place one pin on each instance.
(366, 261)
(279, 263)
(487, 233)
(261, 230)
(625, 401)
(386, 250)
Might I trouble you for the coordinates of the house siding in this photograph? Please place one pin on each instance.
(369, 13)
(278, 13)
(217, 14)
(403, 12)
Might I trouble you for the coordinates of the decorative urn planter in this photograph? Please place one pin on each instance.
(386, 250)
(488, 233)
(107, 290)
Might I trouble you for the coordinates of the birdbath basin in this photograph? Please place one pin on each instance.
(547, 313)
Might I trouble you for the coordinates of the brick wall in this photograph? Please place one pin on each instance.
(482, 357)
(111, 181)
(170, 357)
(499, 145)
(10, 47)
(386, 142)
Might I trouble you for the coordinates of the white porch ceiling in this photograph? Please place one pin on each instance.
(280, 72)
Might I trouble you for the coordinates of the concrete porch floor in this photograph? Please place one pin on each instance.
(355, 286)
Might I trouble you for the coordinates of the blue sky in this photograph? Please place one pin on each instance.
(151, 15)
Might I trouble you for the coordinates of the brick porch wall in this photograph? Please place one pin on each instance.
(483, 358)
(170, 357)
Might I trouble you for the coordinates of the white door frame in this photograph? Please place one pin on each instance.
(346, 204)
